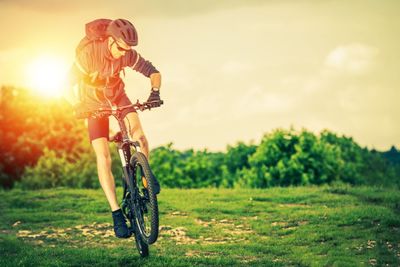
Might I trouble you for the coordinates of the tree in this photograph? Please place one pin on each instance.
(28, 125)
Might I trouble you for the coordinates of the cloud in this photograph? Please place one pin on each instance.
(258, 99)
(352, 58)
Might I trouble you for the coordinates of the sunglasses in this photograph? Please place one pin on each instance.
(121, 48)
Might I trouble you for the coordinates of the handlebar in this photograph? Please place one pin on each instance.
(115, 111)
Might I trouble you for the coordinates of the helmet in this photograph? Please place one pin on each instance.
(122, 28)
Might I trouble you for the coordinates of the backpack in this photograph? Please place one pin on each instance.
(95, 31)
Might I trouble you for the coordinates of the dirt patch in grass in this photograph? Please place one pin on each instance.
(177, 234)
(96, 234)
(224, 223)
(239, 231)
(289, 225)
(253, 218)
(282, 224)
(201, 254)
(248, 259)
(88, 235)
(202, 223)
(236, 232)
(218, 240)
(179, 213)
(210, 254)
(95, 229)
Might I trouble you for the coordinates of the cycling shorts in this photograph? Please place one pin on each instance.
(99, 127)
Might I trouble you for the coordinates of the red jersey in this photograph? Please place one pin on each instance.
(98, 73)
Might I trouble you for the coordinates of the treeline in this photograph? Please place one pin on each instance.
(44, 146)
(283, 158)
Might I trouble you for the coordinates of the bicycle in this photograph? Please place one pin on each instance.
(139, 201)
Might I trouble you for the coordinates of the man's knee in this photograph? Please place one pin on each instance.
(102, 151)
(104, 160)
(143, 140)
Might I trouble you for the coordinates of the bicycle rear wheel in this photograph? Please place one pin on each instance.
(146, 206)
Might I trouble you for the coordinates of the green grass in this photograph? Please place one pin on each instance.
(302, 226)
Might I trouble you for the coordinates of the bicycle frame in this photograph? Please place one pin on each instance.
(129, 157)
(124, 151)
(125, 144)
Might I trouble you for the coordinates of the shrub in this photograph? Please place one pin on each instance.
(54, 170)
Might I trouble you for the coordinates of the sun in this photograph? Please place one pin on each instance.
(47, 75)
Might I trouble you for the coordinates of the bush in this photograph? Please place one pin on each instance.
(187, 169)
(28, 125)
(286, 157)
(54, 170)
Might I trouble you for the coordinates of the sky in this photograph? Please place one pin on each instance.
(236, 70)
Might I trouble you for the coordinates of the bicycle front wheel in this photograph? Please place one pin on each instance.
(141, 246)
(127, 209)
(146, 206)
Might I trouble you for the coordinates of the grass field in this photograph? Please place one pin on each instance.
(303, 226)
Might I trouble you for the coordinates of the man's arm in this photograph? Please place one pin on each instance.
(139, 64)
(155, 79)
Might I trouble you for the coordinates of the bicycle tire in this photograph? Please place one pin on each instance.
(147, 204)
(141, 246)
(127, 209)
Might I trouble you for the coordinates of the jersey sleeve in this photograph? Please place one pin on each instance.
(135, 61)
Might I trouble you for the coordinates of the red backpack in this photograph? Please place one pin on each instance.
(95, 31)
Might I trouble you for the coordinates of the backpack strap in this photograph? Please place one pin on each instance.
(79, 66)
(89, 77)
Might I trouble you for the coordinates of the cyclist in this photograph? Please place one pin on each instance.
(100, 57)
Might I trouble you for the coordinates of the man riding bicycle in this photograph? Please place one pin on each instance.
(95, 76)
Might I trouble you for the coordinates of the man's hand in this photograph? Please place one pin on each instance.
(154, 95)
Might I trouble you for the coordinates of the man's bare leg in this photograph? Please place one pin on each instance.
(106, 178)
(132, 123)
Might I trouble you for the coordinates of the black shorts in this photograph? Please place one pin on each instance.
(99, 127)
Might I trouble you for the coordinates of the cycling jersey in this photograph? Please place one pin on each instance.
(98, 74)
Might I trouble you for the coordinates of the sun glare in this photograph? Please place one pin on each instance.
(47, 75)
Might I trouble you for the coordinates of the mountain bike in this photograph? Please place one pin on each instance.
(139, 201)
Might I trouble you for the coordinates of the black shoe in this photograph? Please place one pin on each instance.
(121, 230)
